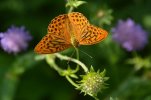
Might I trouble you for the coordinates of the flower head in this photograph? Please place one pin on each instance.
(93, 82)
(15, 39)
(129, 35)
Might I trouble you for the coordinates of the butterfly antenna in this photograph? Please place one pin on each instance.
(86, 54)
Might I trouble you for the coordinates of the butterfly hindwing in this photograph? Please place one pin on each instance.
(51, 44)
(92, 35)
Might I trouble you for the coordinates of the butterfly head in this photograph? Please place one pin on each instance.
(74, 43)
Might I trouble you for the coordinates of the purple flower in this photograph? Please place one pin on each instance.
(129, 35)
(15, 39)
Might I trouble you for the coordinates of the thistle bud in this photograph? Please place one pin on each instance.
(93, 82)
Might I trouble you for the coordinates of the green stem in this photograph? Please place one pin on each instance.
(134, 53)
(12, 75)
(72, 82)
(50, 59)
(71, 9)
(9, 85)
(73, 60)
(77, 54)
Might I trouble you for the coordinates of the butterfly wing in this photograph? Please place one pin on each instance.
(85, 33)
(92, 35)
(57, 39)
(79, 23)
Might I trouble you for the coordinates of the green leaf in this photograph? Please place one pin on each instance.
(78, 3)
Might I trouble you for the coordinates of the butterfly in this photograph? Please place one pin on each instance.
(69, 30)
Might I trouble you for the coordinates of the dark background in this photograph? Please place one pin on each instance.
(40, 82)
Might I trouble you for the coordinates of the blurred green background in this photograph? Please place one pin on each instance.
(39, 82)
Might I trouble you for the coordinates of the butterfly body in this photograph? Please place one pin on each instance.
(68, 30)
(71, 32)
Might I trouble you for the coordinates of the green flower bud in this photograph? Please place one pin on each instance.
(93, 82)
(74, 3)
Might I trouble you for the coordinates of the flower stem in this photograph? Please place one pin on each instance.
(77, 54)
(70, 9)
(8, 89)
(73, 60)
(50, 60)
(72, 82)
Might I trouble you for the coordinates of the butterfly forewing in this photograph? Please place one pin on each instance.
(57, 39)
(80, 22)
(58, 27)
(92, 35)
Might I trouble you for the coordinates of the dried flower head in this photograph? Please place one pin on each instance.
(15, 39)
(129, 35)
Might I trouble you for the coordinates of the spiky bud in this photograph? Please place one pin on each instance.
(93, 82)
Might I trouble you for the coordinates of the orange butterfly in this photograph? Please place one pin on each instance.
(68, 30)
